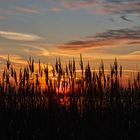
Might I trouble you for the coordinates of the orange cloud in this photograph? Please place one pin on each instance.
(86, 44)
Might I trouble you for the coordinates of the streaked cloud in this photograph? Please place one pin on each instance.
(134, 43)
(19, 36)
(80, 45)
(70, 4)
(121, 6)
(40, 50)
(100, 6)
(136, 53)
(103, 6)
(126, 33)
(108, 38)
(10, 11)
(30, 10)
(37, 50)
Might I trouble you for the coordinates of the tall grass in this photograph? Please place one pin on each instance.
(60, 103)
(62, 86)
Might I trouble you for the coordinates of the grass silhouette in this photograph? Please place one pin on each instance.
(94, 105)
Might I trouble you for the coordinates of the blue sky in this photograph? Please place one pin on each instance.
(99, 29)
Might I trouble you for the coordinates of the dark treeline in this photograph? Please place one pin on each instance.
(58, 103)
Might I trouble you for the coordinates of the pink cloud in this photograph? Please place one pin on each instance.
(77, 4)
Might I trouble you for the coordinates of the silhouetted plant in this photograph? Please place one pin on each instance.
(95, 88)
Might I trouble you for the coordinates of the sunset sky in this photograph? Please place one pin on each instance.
(99, 29)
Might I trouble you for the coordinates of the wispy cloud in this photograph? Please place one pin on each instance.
(70, 4)
(108, 38)
(19, 36)
(37, 49)
(103, 6)
(122, 6)
(126, 33)
(80, 45)
(136, 53)
(40, 50)
(134, 42)
(10, 11)
(30, 10)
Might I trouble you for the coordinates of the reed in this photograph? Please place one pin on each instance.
(66, 84)
(68, 103)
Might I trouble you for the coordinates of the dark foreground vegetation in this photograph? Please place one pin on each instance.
(92, 105)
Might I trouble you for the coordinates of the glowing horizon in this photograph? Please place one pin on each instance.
(46, 29)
